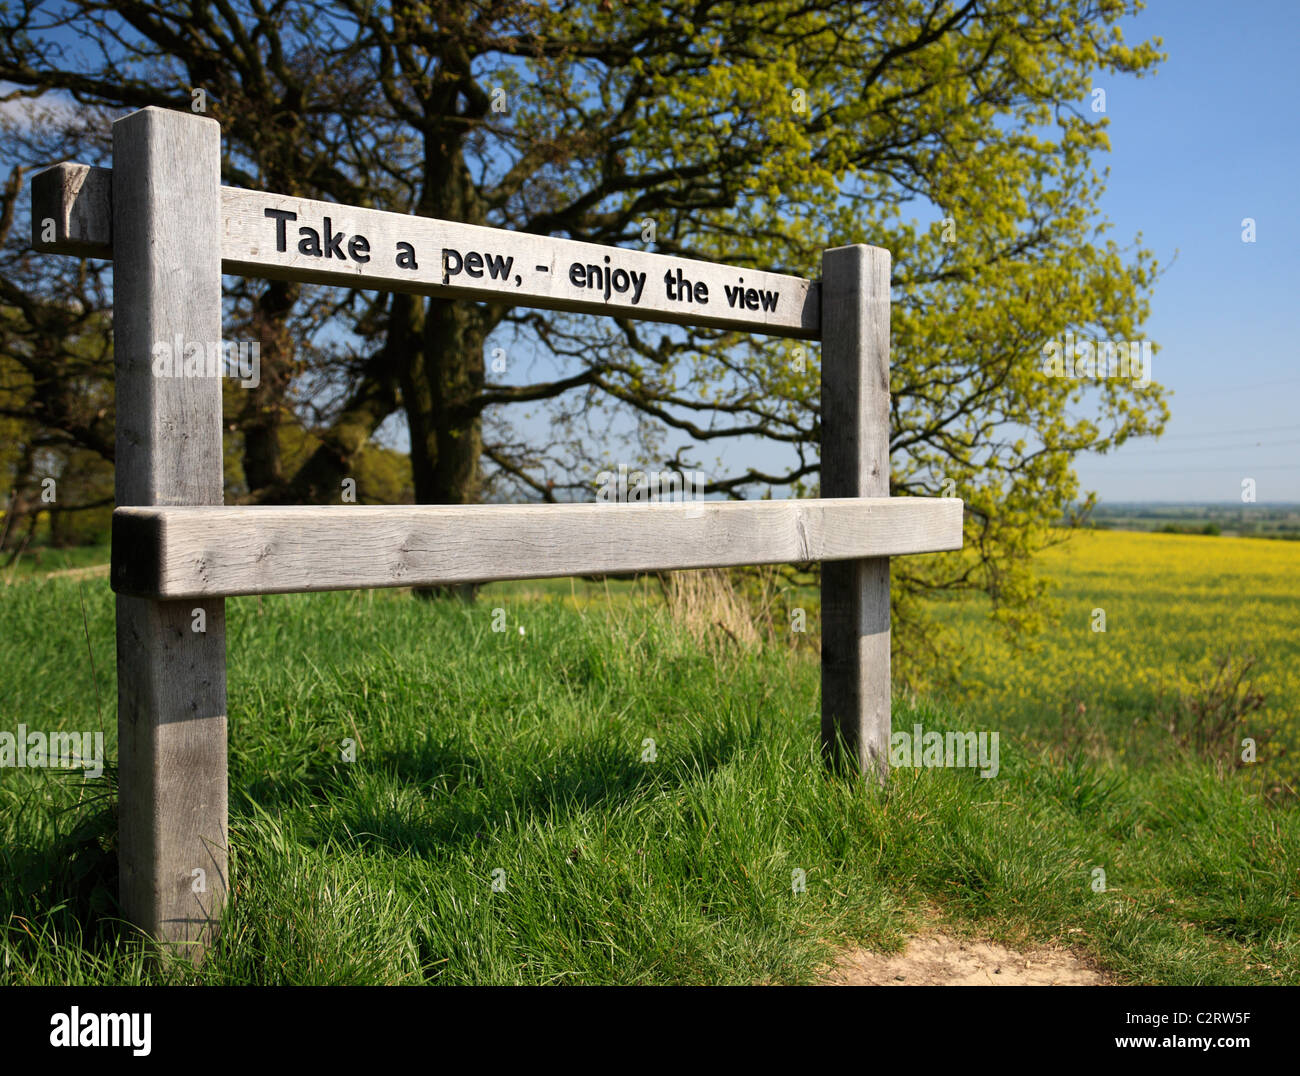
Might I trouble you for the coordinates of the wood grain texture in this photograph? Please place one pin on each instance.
(171, 678)
(202, 552)
(539, 274)
(855, 463)
(78, 198)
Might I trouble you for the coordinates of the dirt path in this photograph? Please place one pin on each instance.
(91, 570)
(936, 958)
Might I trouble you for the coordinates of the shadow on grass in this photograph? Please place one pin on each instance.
(65, 883)
(437, 799)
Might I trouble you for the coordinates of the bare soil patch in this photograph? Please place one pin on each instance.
(90, 571)
(936, 958)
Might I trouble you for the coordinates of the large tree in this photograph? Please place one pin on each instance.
(755, 133)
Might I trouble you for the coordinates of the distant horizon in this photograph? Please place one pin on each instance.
(1183, 503)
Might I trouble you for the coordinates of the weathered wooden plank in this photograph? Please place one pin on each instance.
(262, 235)
(855, 463)
(171, 677)
(75, 201)
(195, 552)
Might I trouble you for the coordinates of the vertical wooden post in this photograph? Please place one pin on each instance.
(171, 694)
(855, 463)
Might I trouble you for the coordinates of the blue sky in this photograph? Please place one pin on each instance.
(1212, 138)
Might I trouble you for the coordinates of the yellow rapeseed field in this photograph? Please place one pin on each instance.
(1170, 606)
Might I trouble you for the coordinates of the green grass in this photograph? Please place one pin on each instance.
(43, 560)
(482, 752)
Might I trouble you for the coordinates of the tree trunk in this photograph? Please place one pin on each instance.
(441, 380)
(264, 409)
(446, 436)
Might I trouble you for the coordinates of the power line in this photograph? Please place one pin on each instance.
(1193, 469)
(1238, 388)
(1210, 448)
(1227, 433)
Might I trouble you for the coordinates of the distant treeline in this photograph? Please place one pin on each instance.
(1249, 520)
